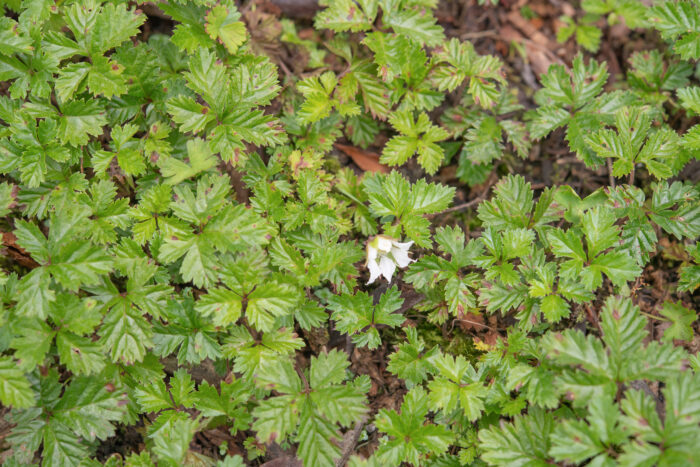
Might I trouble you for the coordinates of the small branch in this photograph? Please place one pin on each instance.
(468, 204)
(631, 179)
(302, 376)
(649, 315)
(479, 324)
(410, 300)
(284, 68)
(350, 441)
(592, 317)
(460, 207)
(298, 9)
(610, 173)
(492, 33)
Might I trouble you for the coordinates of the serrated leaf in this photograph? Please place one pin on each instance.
(222, 24)
(200, 158)
(190, 115)
(269, 301)
(79, 121)
(681, 319)
(416, 24)
(15, 390)
(525, 441)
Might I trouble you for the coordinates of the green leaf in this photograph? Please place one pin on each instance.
(190, 115)
(619, 266)
(171, 444)
(222, 24)
(224, 305)
(482, 71)
(269, 301)
(572, 348)
(554, 308)
(11, 41)
(192, 337)
(79, 120)
(89, 408)
(346, 15)
(392, 195)
(113, 25)
(229, 403)
(79, 354)
(690, 274)
(410, 362)
(14, 387)
(676, 209)
(575, 440)
(200, 158)
(315, 410)
(428, 198)
(416, 136)
(525, 441)
(511, 206)
(681, 319)
(411, 438)
(457, 386)
(105, 78)
(70, 80)
(417, 24)
(125, 333)
(356, 316)
(374, 93)
(679, 21)
(598, 227)
(61, 446)
(154, 397)
(634, 142)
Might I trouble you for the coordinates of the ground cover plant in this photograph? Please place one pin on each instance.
(352, 232)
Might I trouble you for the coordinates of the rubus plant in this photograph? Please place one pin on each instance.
(183, 253)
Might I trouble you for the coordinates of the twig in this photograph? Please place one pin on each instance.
(592, 316)
(631, 179)
(284, 68)
(478, 324)
(649, 315)
(471, 203)
(410, 301)
(610, 172)
(459, 207)
(350, 442)
(492, 33)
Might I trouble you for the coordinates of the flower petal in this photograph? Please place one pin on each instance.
(402, 246)
(401, 257)
(374, 271)
(387, 267)
(383, 244)
(371, 254)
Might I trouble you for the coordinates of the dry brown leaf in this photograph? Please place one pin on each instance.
(366, 160)
(528, 29)
(491, 338)
(469, 321)
(16, 252)
(538, 55)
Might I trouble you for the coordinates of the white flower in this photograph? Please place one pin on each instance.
(384, 254)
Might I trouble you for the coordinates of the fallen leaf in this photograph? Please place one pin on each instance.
(538, 55)
(16, 252)
(366, 160)
(469, 321)
(529, 29)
